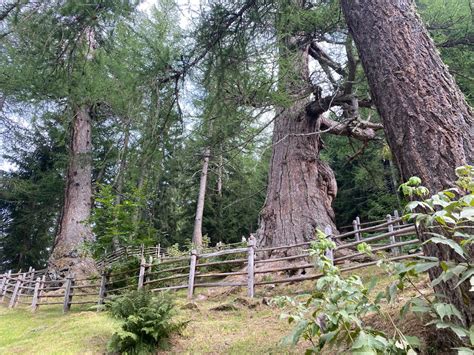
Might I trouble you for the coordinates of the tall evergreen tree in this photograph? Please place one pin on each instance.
(428, 124)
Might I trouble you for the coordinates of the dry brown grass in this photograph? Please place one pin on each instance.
(259, 330)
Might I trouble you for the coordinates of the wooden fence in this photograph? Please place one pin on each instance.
(229, 267)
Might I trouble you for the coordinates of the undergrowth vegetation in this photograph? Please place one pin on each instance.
(333, 316)
(147, 322)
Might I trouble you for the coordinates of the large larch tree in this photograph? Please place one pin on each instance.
(427, 122)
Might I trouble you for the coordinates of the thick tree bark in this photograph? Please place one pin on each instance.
(301, 186)
(429, 126)
(427, 122)
(197, 233)
(68, 254)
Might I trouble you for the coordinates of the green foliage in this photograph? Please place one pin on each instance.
(447, 219)
(333, 314)
(367, 184)
(114, 220)
(451, 26)
(31, 195)
(147, 322)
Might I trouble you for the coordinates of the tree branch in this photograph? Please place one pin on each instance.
(7, 8)
(358, 129)
(317, 107)
(467, 40)
(323, 58)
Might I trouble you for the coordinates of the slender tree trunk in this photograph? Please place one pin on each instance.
(197, 233)
(427, 122)
(119, 178)
(68, 254)
(301, 186)
(220, 172)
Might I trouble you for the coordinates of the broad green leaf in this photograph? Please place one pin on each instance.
(464, 351)
(366, 343)
(459, 331)
(413, 341)
(414, 181)
(447, 310)
(298, 331)
(449, 242)
(467, 212)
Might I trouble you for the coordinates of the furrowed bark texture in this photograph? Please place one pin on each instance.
(427, 122)
(301, 186)
(67, 255)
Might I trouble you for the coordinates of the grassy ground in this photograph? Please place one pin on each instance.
(48, 331)
(253, 328)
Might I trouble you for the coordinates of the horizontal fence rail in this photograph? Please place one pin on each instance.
(235, 265)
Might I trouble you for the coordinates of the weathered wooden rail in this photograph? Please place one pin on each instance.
(234, 266)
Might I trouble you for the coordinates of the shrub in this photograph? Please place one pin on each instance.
(147, 322)
(333, 314)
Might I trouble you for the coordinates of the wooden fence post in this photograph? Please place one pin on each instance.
(103, 288)
(3, 282)
(34, 302)
(23, 283)
(32, 280)
(398, 224)
(393, 240)
(68, 293)
(192, 273)
(141, 275)
(356, 226)
(158, 252)
(5, 285)
(329, 252)
(15, 291)
(148, 268)
(251, 266)
(41, 290)
(396, 215)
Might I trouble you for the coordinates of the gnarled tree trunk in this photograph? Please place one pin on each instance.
(428, 124)
(68, 254)
(301, 186)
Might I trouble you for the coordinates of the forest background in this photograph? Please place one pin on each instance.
(152, 129)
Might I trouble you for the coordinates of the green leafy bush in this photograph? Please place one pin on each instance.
(147, 322)
(447, 218)
(333, 314)
(114, 223)
(335, 311)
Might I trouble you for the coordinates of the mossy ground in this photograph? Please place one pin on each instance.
(244, 329)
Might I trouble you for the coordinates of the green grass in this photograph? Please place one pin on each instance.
(242, 331)
(48, 331)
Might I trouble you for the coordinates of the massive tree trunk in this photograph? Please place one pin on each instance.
(301, 186)
(427, 122)
(197, 233)
(68, 253)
